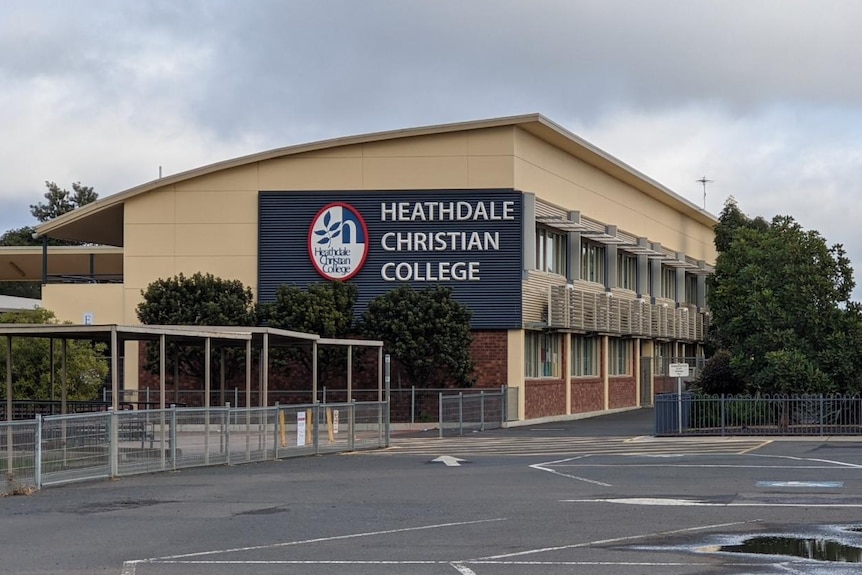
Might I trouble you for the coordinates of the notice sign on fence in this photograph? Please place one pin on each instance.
(678, 370)
(300, 427)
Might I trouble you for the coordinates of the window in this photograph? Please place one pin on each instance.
(585, 355)
(668, 283)
(627, 271)
(619, 357)
(551, 253)
(542, 354)
(592, 262)
(691, 289)
(663, 357)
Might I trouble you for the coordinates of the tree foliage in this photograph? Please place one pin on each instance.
(200, 299)
(426, 331)
(781, 307)
(86, 366)
(325, 309)
(59, 201)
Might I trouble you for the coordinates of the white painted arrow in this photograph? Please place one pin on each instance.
(448, 460)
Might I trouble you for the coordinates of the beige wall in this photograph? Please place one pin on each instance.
(516, 368)
(209, 223)
(70, 302)
(557, 177)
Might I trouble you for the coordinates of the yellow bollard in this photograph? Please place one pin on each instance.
(309, 425)
(329, 424)
(282, 427)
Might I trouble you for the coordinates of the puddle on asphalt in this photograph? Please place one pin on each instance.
(814, 548)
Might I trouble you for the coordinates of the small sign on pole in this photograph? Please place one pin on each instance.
(679, 371)
(88, 318)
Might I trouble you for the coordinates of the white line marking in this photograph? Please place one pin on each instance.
(459, 566)
(541, 467)
(833, 462)
(654, 501)
(824, 484)
(606, 541)
(704, 465)
(317, 540)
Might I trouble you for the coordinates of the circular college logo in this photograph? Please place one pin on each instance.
(338, 241)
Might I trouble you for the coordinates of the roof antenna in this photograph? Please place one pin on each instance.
(704, 181)
(160, 172)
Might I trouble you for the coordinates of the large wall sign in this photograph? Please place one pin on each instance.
(468, 240)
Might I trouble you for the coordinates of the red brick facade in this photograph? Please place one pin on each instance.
(622, 392)
(490, 352)
(544, 398)
(588, 394)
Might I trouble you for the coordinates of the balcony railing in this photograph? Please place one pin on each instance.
(571, 308)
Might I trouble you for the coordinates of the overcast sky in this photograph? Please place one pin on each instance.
(762, 97)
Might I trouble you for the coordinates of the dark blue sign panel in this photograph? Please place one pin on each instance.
(468, 240)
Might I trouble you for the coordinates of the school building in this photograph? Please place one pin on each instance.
(579, 269)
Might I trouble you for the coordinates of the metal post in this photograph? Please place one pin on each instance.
(174, 436)
(162, 367)
(274, 434)
(314, 351)
(504, 405)
(226, 432)
(387, 380)
(207, 389)
(315, 428)
(9, 435)
(822, 417)
(351, 416)
(115, 367)
(37, 454)
(679, 402)
(412, 404)
(722, 414)
(482, 410)
(440, 414)
(460, 413)
(113, 433)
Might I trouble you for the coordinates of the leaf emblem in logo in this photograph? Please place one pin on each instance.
(331, 229)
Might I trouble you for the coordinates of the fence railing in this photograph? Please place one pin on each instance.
(411, 405)
(819, 415)
(60, 449)
(474, 410)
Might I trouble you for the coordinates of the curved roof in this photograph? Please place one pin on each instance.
(102, 221)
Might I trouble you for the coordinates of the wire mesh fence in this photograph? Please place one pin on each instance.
(60, 449)
(819, 415)
(411, 405)
(478, 410)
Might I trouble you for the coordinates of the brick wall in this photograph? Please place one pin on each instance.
(588, 394)
(544, 397)
(490, 351)
(622, 392)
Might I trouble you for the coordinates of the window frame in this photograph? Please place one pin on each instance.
(583, 358)
(627, 271)
(542, 355)
(620, 355)
(593, 262)
(551, 250)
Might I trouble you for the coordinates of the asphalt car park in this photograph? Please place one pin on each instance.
(595, 496)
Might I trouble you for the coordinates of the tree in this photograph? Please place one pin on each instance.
(196, 300)
(325, 309)
(426, 331)
(780, 303)
(60, 201)
(86, 366)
